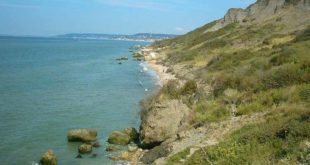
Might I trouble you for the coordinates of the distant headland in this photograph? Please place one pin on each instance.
(150, 37)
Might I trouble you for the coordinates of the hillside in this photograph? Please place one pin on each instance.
(242, 94)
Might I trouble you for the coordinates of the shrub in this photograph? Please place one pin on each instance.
(285, 75)
(251, 107)
(210, 111)
(278, 140)
(285, 56)
(304, 36)
(304, 92)
(171, 89)
(223, 81)
(189, 88)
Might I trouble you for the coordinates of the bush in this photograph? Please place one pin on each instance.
(252, 107)
(189, 88)
(285, 56)
(304, 36)
(286, 75)
(211, 111)
(171, 89)
(278, 140)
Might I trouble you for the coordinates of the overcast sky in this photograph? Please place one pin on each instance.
(52, 17)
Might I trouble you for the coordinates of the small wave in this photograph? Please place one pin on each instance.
(140, 82)
(34, 163)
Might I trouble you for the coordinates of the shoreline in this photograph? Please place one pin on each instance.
(162, 71)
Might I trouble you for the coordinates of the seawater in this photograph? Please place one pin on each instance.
(48, 86)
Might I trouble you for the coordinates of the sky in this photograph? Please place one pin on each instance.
(53, 17)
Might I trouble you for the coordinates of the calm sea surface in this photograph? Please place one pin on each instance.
(48, 86)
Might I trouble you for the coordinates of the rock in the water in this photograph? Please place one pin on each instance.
(96, 145)
(132, 148)
(163, 121)
(79, 156)
(82, 135)
(85, 148)
(123, 137)
(111, 148)
(48, 158)
(94, 155)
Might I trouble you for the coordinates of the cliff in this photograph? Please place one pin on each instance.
(264, 10)
(242, 86)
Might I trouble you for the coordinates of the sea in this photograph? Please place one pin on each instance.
(51, 85)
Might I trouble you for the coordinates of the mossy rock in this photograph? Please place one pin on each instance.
(82, 135)
(85, 149)
(48, 158)
(123, 137)
(111, 148)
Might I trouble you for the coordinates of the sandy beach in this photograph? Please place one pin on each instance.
(161, 71)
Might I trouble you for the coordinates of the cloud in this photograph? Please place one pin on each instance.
(141, 4)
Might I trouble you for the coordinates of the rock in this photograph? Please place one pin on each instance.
(122, 59)
(123, 137)
(111, 148)
(125, 155)
(132, 148)
(235, 15)
(82, 135)
(162, 121)
(130, 157)
(94, 155)
(96, 145)
(85, 148)
(79, 156)
(114, 158)
(48, 158)
(155, 153)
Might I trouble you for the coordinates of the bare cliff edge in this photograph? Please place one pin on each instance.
(290, 12)
(235, 91)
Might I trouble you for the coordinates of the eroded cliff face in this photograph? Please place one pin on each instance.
(263, 10)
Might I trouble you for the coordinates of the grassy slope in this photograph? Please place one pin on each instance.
(255, 68)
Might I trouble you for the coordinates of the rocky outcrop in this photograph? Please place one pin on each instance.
(123, 137)
(163, 121)
(48, 158)
(82, 135)
(234, 15)
(85, 148)
(263, 10)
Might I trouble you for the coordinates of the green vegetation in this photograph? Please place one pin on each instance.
(177, 157)
(283, 137)
(258, 68)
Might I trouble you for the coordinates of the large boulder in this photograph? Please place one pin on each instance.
(48, 158)
(163, 121)
(82, 135)
(85, 148)
(123, 137)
